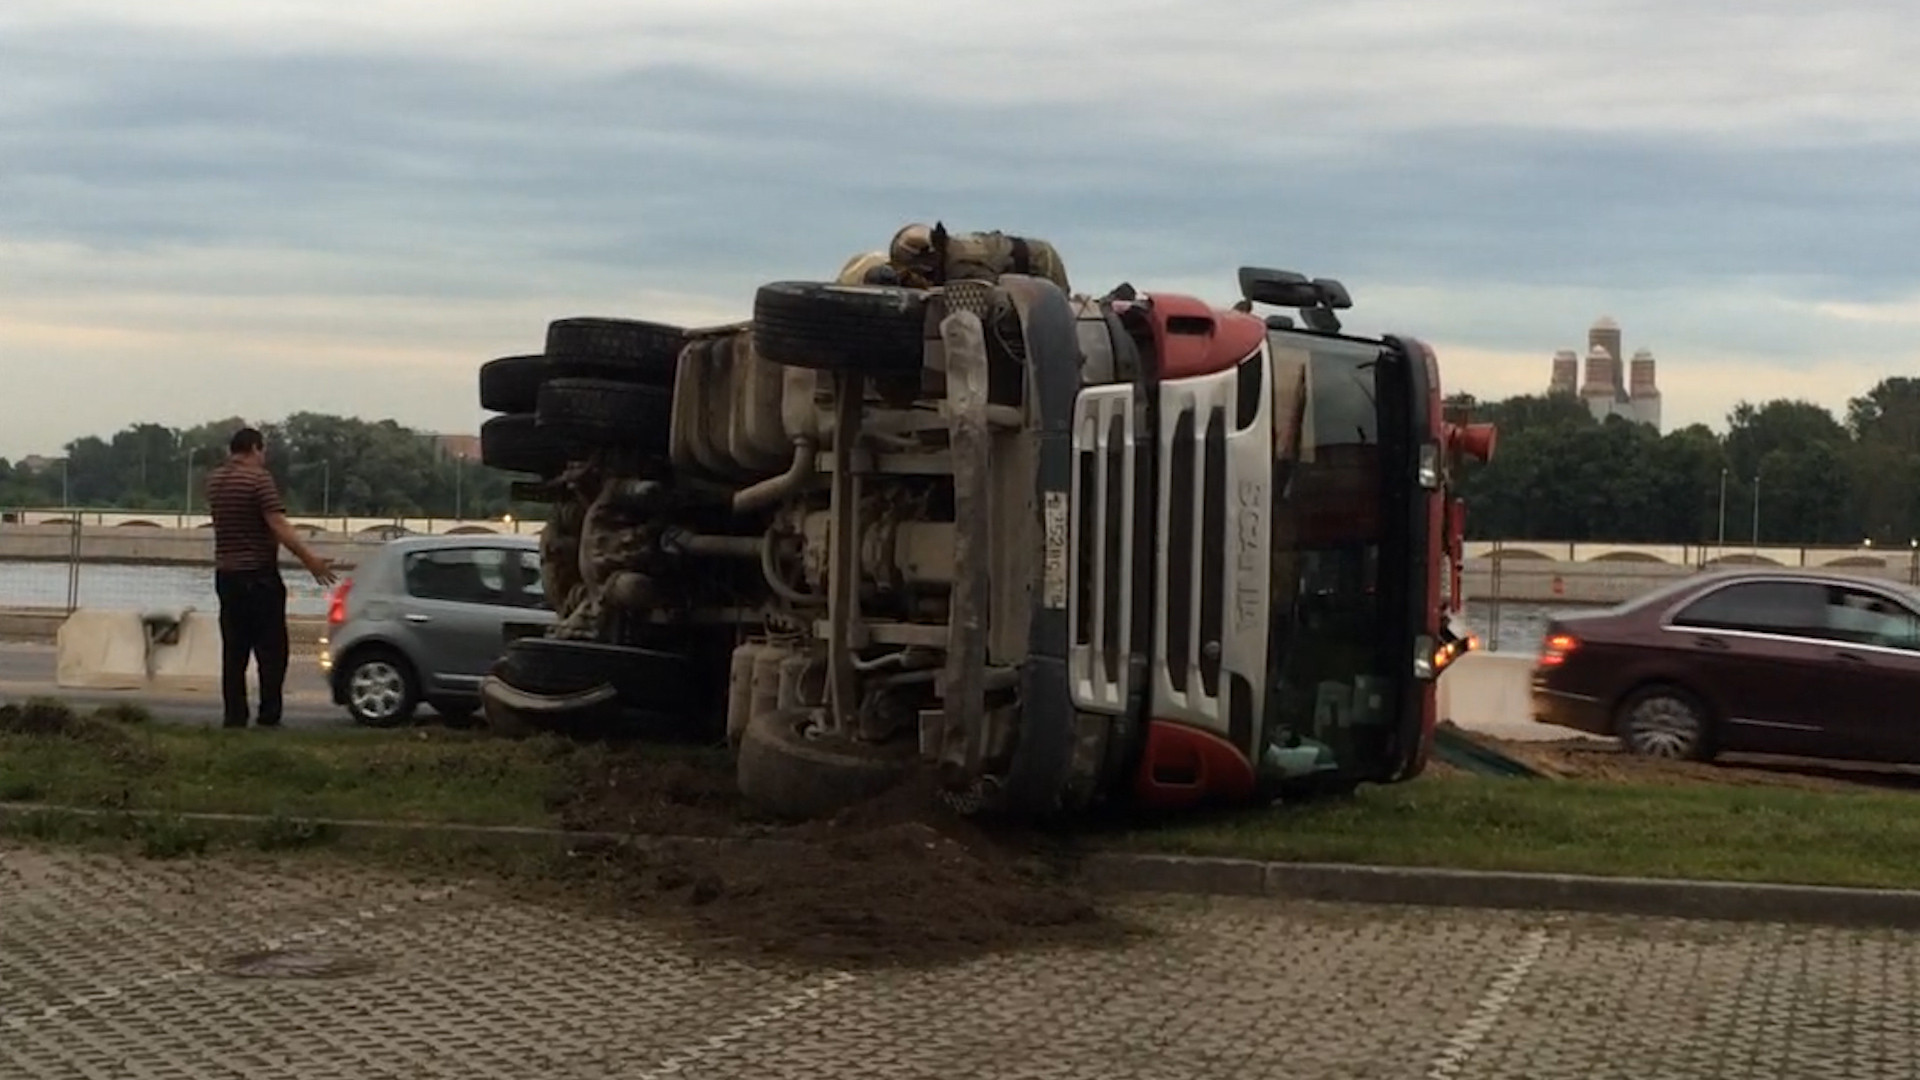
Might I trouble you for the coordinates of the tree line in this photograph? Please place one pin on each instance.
(324, 464)
(1557, 473)
(1792, 473)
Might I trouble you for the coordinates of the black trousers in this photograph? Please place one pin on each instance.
(253, 624)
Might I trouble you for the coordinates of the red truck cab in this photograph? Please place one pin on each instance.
(1263, 543)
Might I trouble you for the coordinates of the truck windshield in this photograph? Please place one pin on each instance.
(1330, 703)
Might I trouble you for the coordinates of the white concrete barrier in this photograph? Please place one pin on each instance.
(173, 651)
(191, 665)
(1492, 694)
(101, 650)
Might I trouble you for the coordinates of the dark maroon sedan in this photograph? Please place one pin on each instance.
(1773, 662)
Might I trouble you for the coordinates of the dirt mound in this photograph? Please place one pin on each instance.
(1583, 759)
(900, 880)
(646, 791)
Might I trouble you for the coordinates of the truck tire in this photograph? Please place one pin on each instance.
(511, 384)
(515, 443)
(587, 414)
(874, 329)
(783, 773)
(654, 680)
(628, 350)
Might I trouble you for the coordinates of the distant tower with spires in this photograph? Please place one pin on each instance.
(1611, 388)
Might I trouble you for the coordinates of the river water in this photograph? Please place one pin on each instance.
(114, 585)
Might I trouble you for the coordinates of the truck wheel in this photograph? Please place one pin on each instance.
(628, 350)
(784, 773)
(875, 329)
(515, 443)
(594, 413)
(656, 680)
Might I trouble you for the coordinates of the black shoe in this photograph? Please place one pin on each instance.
(275, 724)
(233, 723)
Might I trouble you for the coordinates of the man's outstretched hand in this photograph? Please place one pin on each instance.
(322, 571)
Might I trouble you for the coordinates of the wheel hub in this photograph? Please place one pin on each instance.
(1663, 727)
(377, 689)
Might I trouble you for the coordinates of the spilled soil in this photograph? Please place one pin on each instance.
(899, 880)
(1604, 760)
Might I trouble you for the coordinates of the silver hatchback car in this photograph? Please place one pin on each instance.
(424, 618)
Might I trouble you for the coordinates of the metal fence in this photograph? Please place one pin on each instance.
(65, 567)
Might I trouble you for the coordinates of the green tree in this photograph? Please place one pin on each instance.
(343, 465)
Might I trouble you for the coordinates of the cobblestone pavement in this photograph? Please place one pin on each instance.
(117, 968)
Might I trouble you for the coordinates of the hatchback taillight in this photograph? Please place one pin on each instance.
(337, 602)
(1554, 650)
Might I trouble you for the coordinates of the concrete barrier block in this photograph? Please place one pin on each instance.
(1485, 691)
(191, 664)
(101, 650)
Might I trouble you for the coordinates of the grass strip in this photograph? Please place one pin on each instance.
(1869, 838)
(50, 754)
(54, 756)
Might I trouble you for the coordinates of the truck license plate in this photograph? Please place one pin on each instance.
(1054, 570)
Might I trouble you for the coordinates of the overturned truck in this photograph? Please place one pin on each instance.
(945, 516)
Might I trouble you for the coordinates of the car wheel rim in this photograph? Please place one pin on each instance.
(1664, 727)
(377, 690)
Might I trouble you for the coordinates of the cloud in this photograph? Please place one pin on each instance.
(340, 191)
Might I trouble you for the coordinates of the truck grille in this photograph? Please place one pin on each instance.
(1105, 487)
(1209, 648)
(1210, 550)
(1196, 548)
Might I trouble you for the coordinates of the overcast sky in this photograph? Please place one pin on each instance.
(210, 207)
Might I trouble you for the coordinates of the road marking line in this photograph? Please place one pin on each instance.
(675, 1064)
(1453, 1056)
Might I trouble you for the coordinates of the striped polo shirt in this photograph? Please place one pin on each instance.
(239, 497)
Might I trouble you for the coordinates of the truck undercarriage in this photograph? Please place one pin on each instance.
(944, 515)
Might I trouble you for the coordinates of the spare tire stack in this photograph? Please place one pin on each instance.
(600, 384)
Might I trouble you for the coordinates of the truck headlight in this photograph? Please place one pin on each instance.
(1430, 466)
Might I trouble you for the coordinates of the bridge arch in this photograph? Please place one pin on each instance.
(1628, 556)
(1873, 561)
(1519, 554)
(1744, 558)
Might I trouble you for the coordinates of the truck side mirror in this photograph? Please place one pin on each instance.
(1474, 440)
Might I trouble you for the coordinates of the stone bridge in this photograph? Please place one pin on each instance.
(1515, 553)
(380, 528)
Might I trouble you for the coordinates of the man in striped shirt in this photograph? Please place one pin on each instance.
(249, 526)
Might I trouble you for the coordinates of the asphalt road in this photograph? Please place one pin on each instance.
(124, 967)
(27, 670)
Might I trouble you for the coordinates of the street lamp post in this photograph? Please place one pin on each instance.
(326, 487)
(66, 486)
(1756, 510)
(188, 493)
(1723, 508)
